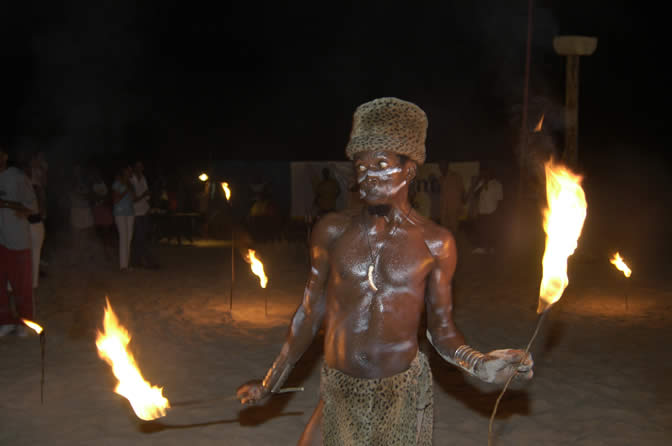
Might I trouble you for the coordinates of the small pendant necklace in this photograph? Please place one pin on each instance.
(375, 258)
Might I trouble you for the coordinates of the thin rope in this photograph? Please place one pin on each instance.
(513, 375)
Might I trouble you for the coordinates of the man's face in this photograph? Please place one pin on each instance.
(381, 176)
(139, 168)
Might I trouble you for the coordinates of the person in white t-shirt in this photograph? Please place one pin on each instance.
(488, 192)
(17, 202)
(141, 252)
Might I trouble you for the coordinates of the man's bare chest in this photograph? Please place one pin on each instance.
(390, 261)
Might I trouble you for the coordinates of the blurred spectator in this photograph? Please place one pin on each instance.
(326, 193)
(102, 213)
(123, 197)
(452, 197)
(262, 206)
(142, 253)
(435, 197)
(29, 164)
(486, 194)
(81, 214)
(17, 202)
(265, 223)
(422, 201)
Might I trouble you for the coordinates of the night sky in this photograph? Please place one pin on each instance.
(253, 81)
(195, 84)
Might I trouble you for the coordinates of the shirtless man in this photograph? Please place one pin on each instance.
(374, 271)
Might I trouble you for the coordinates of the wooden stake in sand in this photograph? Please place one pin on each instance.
(42, 348)
(233, 269)
(257, 268)
(227, 194)
(38, 329)
(618, 262)
(563, 221)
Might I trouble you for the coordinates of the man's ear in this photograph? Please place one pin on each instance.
(411, 170)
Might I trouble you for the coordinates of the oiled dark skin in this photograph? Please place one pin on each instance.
(369, 333)
(373, 334)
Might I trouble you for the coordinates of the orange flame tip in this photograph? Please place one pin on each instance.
(227, 191)
(539, 124)
(257, 267)
(618, 262)
(36, 327)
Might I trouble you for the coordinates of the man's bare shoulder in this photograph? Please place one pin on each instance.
(439, 240)
(332, 225)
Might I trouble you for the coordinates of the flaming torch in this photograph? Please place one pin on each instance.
(563, 221)
(38, 329)
(257, 267)
(540, 125)
(227, 191)
(258, 270)
(147, 401)
(620, 265)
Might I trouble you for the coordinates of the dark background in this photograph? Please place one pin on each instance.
(177, 83)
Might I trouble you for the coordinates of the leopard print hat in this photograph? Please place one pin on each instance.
(389, 124)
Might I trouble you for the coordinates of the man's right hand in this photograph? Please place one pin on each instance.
(252, 392)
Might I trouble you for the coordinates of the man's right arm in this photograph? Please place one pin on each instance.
(308, 317)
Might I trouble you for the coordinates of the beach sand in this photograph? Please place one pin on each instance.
(601, 369)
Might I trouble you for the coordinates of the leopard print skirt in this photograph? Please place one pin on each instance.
(393, 411)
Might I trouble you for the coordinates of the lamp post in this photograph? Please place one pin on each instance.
(572, 47)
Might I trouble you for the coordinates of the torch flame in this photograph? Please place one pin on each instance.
(32, 325)
(203, 177)
(618, 262)
(539, 124)
(227, 191)
(563, 221)
(147, 401)
(257, 267)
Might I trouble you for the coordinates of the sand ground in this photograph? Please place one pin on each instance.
(602, 370)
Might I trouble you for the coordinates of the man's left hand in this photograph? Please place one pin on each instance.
(499, 365)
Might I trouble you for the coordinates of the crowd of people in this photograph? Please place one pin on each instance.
(113, 213)
(476, 211)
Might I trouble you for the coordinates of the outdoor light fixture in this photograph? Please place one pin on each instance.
(203, 177)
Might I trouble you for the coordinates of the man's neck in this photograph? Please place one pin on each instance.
(387, 216)
(380, 210)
